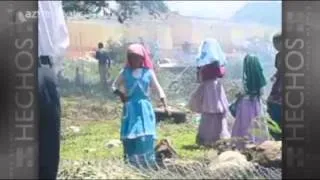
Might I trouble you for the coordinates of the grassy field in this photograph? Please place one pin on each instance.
(91, 117)
(96, 112)
(90, 124)
(87, 130)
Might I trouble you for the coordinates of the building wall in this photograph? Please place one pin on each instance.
(84, 35)
(170, 34)
(181, 29)
(150, 31)
(87, 34)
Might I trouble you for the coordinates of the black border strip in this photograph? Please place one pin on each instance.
(19, 116)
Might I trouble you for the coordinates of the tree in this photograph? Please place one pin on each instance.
(125, 10)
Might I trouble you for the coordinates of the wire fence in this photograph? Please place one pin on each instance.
(173, 169)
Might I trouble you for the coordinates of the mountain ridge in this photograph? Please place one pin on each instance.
(270, 13)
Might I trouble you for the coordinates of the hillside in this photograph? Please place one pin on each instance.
(266, 13)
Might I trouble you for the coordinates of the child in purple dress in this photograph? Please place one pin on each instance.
(249, 103)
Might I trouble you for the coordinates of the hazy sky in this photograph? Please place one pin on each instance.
(219, 9)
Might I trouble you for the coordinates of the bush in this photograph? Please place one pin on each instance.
(117, 51)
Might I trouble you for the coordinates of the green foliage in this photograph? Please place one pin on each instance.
(274, 127)
(83, 7)
(126, 9)
(117, 51)
(90, 81)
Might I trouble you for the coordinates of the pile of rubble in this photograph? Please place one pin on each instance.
(252, 161)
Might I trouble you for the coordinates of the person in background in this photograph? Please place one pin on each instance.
(146, 47)
(77, 78)
(274, 102)
(53, 41)
(210, 99)
(104, 63)
(138, 124)
(249, 106)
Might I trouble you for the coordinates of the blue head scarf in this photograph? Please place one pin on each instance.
(209, 52)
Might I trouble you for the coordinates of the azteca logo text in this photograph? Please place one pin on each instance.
(31, 14)
(23, 16)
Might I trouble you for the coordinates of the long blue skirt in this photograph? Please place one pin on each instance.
(139, 152)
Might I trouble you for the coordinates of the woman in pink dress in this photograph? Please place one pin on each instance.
(210, 99)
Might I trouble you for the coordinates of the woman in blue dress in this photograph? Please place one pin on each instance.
(138, 125)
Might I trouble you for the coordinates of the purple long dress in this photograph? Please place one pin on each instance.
(210, 100)
(247, 123)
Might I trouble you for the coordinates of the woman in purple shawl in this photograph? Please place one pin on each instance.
(210, 99)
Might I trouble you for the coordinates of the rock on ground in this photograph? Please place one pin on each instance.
(113, 143)
(269, 154)
(233, 156)
(230, 164)
(74, 129)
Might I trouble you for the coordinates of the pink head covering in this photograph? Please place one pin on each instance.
(141, 51)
